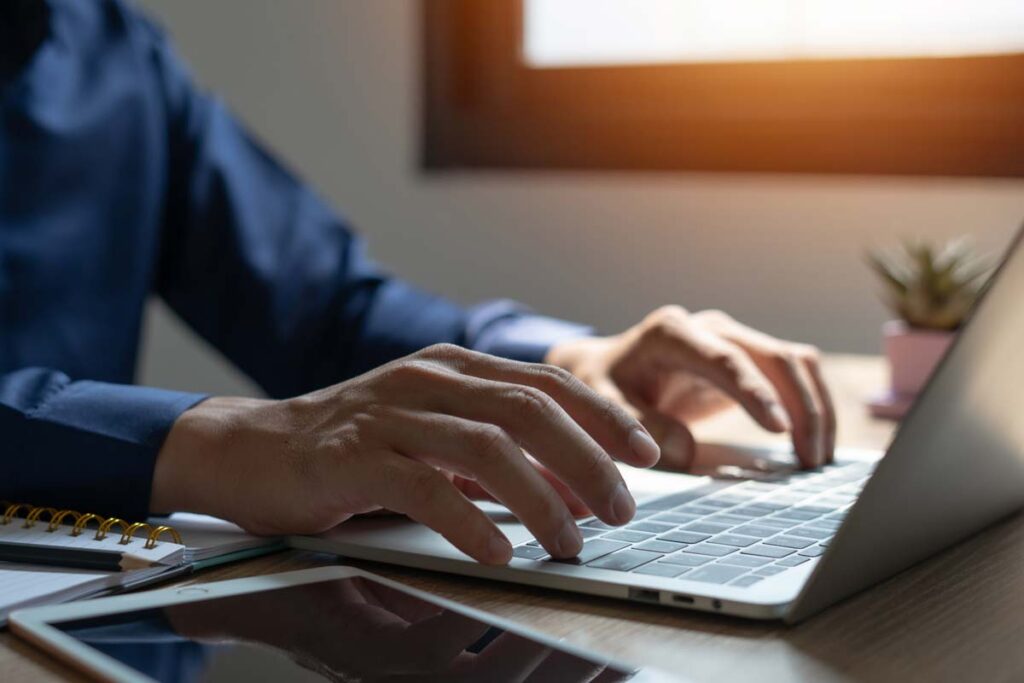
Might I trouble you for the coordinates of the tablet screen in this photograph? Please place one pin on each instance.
(351, 629)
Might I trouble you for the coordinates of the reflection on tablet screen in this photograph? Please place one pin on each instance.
(350, 629)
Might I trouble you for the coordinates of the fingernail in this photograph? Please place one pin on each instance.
(569, 541)
(643, 446)
(623, 506)
(779, 415)
(499, 549)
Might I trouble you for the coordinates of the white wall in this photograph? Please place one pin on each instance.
(332, 87)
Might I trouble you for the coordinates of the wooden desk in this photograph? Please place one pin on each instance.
(957, 617)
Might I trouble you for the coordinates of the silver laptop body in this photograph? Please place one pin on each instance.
(789, 547)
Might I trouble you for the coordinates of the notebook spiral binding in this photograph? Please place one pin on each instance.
(105, 525)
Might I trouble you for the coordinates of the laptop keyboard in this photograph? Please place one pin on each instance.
(725, 532)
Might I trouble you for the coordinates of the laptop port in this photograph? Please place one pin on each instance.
(685, 599)
(644, 595)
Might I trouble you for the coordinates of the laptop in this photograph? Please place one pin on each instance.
(787, 546)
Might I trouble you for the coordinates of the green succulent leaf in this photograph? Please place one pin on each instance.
(928, 287)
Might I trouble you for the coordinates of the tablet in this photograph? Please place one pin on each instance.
(327, 624)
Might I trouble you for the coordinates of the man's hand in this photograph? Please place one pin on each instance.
(676, 367)
(420, 436)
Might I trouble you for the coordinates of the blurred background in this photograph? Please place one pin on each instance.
(336, 88)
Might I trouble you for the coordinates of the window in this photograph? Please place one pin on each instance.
(822, 86)
(560, 33)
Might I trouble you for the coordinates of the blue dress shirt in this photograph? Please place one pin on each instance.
(120, 179)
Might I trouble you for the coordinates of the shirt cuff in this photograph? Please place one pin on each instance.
(99, 444)
(510, 330)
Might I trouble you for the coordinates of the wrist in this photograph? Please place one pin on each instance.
(571, 354)
(190, 473)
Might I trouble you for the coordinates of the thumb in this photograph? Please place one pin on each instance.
(678, 447)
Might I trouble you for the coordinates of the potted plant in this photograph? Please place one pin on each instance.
(930, 290)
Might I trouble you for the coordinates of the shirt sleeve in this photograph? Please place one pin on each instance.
(83, 445)
(264, 270)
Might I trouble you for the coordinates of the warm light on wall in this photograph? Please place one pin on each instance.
(603, 32)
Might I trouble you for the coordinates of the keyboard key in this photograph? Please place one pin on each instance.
(707, 528)
(742, 514)
(716, 503)
(808, 532)
(748, 580)
(731, 520)
(779, 523)
(710, 549)
(766, 505)
(790, 541)
(817, 509)
(588, 532)
(792, 561)
(676, 518)
(767, 551)
(756, 530)
(752, 511)
(745, 560)
(597, 524)
(659, 546)
(676, 499)
(661, 569)
(786, 500)
(730, 499)
(733, 540)
(816, 551)
(652, 527)
(716, 573)
(629, 536)
(796, 514)
(624, 560)
(687, 560)
(701, 510)
(683, 537)
(770, 571)
(593, 549)
(529, 552)
(824, 524)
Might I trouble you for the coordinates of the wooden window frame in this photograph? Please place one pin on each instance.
(483, 108)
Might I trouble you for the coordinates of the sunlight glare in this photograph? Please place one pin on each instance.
(592, 32)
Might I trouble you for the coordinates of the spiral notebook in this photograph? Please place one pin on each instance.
(49, 555)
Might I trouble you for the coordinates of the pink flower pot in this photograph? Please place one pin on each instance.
(913, 355)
